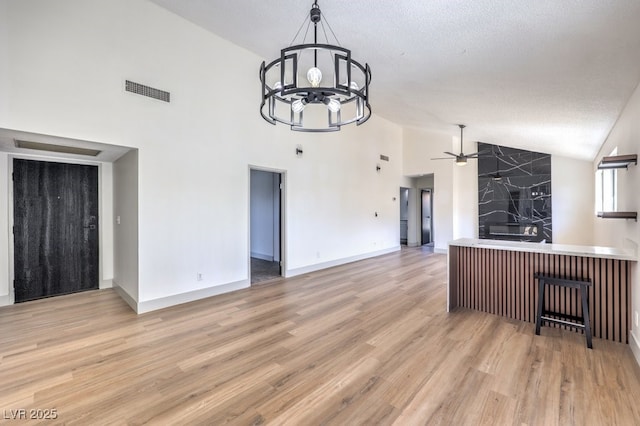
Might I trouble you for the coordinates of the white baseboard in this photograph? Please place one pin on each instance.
(634, 344)
(178, 299)
(105, 284)
(133, 304)
(262, 256)
(440, 250)
(413, 244)
(338, 262)
(5, 300)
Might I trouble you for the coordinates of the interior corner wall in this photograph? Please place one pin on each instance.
(572, 200)
(465, 195)
(67, 64)
(624, 233)
(125, 228)
(106, 224)
(4, 70)
(5, 272)
(624, 136)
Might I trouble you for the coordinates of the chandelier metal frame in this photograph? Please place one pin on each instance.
(284, 100)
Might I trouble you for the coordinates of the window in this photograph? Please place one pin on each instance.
(607, 189)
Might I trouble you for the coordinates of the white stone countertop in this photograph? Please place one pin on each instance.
(564, 249)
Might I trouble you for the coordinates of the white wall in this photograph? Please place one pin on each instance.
(625, 135)
(4, 160)
(125, 233)
(5, 271)
(67, 64)
(4, 71)
(106, 224)
(465, 195)
(572, 200)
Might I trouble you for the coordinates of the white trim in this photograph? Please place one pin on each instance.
(634, 344)
(105, 284)
(125, 296)
(178, 299)
(338, 262)
(440, 250)
(6, 300)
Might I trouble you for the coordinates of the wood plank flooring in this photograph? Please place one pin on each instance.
(365, 343)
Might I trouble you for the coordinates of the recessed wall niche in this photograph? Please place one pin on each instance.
(514, 196)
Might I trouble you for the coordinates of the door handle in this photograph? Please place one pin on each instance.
(90, 227)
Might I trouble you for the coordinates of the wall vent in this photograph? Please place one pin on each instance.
(384, 157)
(141, 89)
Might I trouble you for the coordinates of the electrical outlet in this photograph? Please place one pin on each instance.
(199, 276)
(636, 318)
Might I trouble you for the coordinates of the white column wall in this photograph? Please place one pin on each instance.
(5, 266)
(125, 233)
(572, 200)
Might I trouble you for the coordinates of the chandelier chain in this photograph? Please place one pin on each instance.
(330, 29)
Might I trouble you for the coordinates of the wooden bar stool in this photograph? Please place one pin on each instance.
(546, 315)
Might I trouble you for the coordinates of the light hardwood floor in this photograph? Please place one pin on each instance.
(364, 343)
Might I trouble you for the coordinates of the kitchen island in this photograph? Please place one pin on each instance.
(498, 277)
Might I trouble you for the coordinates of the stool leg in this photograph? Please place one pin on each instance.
(585, 317)
(540, 305)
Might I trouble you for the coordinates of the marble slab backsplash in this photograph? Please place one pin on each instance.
(514, 194)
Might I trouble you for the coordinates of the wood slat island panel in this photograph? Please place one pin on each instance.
(499, 279)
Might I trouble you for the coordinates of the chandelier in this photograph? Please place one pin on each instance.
(333, 90)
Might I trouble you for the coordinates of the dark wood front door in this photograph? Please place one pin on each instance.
(55, 216)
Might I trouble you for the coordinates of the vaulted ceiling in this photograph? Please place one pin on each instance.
(544, 75)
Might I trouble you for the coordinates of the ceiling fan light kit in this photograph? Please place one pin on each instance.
(461, 158)
(334, 88)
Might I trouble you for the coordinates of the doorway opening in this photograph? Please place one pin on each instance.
(55, 228)
(426, 221)
(404, 215)
(266, 225)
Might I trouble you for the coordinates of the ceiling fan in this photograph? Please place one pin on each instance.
(461, 159)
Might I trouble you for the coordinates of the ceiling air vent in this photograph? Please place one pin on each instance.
(150, 92)
(384, 157)
(39, 146)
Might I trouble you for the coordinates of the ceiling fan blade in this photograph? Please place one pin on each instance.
(442, 158)
(474, 155)
(451, 153)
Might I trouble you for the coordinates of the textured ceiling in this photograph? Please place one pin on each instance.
(543, 75)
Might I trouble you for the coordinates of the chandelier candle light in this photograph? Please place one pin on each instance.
(333, 91)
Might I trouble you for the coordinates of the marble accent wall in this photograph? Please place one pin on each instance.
(514, 194)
